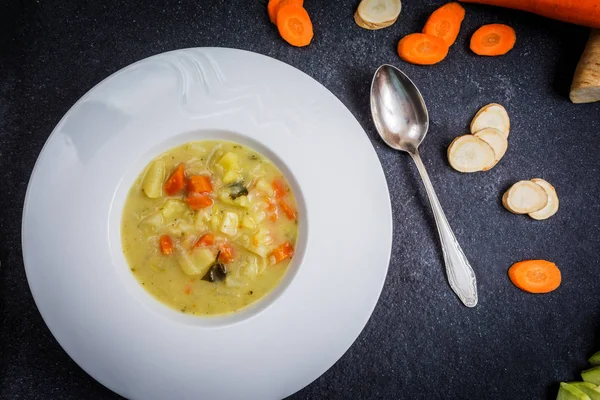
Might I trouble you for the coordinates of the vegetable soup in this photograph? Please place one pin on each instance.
(209, 227)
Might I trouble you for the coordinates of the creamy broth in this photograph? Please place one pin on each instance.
(209, 227)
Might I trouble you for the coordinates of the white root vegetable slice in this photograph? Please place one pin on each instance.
(377, 14)
(496, 140)
(154, 178)
(470, 154)
(586, 81)
(525, 197)
(491, 116)
(552, 207)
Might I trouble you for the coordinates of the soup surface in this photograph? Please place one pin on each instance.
(209, 227)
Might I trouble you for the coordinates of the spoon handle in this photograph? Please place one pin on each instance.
(460, 274)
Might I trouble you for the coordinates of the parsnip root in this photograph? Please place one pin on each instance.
(377, 14)
(496, 140)
(491, 116)
(586, 81)
(525, 197)
(552, 207)
(468, 153)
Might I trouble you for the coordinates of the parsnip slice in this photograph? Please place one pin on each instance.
(377, 14)
(525, 197)
(468, 153)
(552, 207)
(370, 25)
(491, 116)
(496, 140)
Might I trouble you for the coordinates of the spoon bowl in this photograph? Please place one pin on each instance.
(398, 109)
(401, 118)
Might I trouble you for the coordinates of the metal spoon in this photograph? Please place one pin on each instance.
(402, 121)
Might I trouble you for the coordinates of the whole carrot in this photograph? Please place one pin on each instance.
(580, 12)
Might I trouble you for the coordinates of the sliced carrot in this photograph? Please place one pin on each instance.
(278, 188)
(493, 40)
(284, 2)
(422, 49)
(176, 182)
(199, 184)
(445, 22)
(455, 8)
(535, 276)
(272, 10)
(199, 201)
(166, 245)
(208, 239)
(226, 254)
(273, 7)
(294, 24)
(287, 210)
(282, 252)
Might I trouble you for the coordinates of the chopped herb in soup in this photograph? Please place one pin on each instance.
(209, 227)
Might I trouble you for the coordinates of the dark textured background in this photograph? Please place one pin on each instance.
(420, 342)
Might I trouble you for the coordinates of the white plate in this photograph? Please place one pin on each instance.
(79, 278)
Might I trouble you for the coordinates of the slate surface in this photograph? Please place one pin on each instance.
(420, 342)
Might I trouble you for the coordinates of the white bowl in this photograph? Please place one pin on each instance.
(119, 333)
